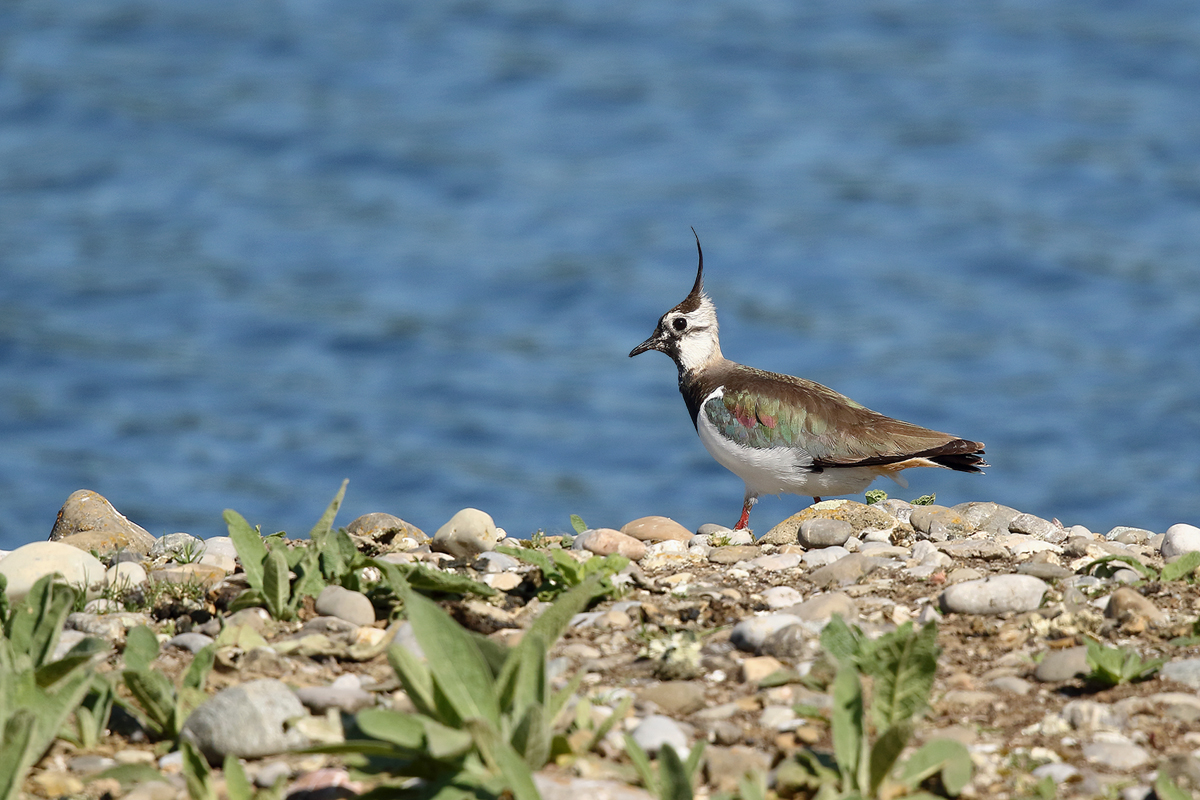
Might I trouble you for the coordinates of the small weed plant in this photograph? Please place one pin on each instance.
(561, 571)
(158, 704)
(869, 737)
(1113, 666)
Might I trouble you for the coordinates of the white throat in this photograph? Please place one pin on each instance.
(701, 345)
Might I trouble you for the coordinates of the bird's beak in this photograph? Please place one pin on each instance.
(653, 343)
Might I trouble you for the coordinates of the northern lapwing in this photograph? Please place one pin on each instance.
(783, 434)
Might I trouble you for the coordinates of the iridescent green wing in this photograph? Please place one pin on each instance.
(759, 421)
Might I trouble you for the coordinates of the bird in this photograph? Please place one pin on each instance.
(782, 434)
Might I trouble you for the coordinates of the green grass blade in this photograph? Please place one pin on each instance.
(17, 753)
(641, 763)
(885, 752)
(248, 542)
(501, 757)
(414, 677)
(196, 773)
(325, 523)
(674, 781)
(1183, 567)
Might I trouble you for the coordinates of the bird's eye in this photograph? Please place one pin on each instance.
(680, 324)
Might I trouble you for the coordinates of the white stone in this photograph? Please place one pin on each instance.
(656, 732)
(220, 545)
(467, 534)
(749, 634)
(126, 574)
(823, 557)
(23, 566)
(1181, 538)
(781, 597)
(998, 594)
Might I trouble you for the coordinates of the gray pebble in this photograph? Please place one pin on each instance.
(999, 594)
(271, 771)
(250, 720)
(1058, 772)
(192, 642)
(340, 602)
(749, 634)
(176, 545)
(1180, 539)
(1044, 570)
(776, 562)
(820, 532)
(1116, 755)
(814, 559)
(656, 731)
(499, 562)
(320, 699)
(1123, 530)
(781, 597)
(1011, 684)
(1185, 671)
(1036, 526)
(1062, 665)
(793, 641)
(467, 534)
(220, 546)
(846, 570)
(778, 718)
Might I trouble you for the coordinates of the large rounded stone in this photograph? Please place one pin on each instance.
(860, 516)
(816, 533)
(606, 541)
(656, 529)
(250, 720)
(467, 534)
(385, 529)
(1180, 538)
(87, 521)
(23, 566)
(340, 602)
(998, 594)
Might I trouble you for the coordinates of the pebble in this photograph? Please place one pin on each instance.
(249, 720)
(192, 642)
(749, 634)
(490, 562)
(999, 594)
(220, 546)
(793, 641)
(385, 529)
(986, 517)
(205, 575)
(1122, 755)
(814, 559)
(656, 732)
(1185, 671)
(778, 718)
(126, 574)
(860, 516)
(353, 607)
(951, 522)
(656, 529)
(1055, 771)
(666, 547)
(25, 565)
(759, 667)
(557, 786)
(1036, 526)
(1126, 604)
(675, 697)
(106, 626)
(177, 545)
(725, 766)
(734, 554)
(823, 607)
(87, 521)
(320, 699)
(845, 571)
(776, 562)
(606, 541)
(815, 533)
(1062, 665)
(467, 534)
(781, 597)
(1179, 539)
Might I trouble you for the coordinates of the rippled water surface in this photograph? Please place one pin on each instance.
(248, 249)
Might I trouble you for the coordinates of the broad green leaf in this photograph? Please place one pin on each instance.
(1146, 572)
(237, 785)
(531, 736)
(276, 587)
(18, 751)
(1183, 567)
(522, 679)
(885, 751)
(501, 757)
(578, 524)
(414, 677)
(444, 742)
(155, 696)
(947, 756)
(35, 624)
(534, 557)
(692, 765)
(141, 648)
(196, 773)
(248, 542)
(842, 642)
(673, 780)
(202, 663)
(1167, 789)
(325, 523)
(903, 664)
(469, 690)
(404, 730)
(848, 721)
(311, 580)
(552, 622)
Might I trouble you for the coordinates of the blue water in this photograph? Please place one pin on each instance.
(248, 249)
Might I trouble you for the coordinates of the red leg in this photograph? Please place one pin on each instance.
(747, 504)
